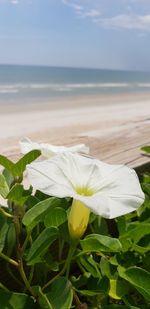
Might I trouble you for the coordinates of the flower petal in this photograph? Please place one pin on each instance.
(118, 191)
(47, 177)
(49, 150)
(26, 145)
(116, 188)
(109, 207)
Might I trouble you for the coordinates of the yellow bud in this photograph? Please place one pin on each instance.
(78, 219)
(113, 292)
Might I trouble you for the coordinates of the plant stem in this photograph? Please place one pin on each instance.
(3, 287)
(78, 302)
(8, 259)
(54, 278)
(76, 298)
(61, 245)
(17, 229)
(69, 257)
(6, 214)
(24, 278)
(13, 276)
(25, 242)
(31, 274)
(81, 267)
(66, 266)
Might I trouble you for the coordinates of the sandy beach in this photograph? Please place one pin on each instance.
(115, 127)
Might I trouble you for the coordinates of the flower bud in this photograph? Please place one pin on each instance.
(78, 219)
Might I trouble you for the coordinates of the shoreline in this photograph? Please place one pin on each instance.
(73, 102)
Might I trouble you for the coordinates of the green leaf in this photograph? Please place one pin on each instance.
(99, 286)
(98, 243)
(50, 262)
(18, 194)
(64, 233)
(121, 224)
(61, 294)
(13, 300)
(108, 269)
(38, 212)
(55, 217)
(88, 292)
(3, 235)
(146, 149)
(17, 169)
(41, 244)
(146, 188)
(82, 280)
(94, 287)
(126, 243)
(90, 265)
(139, 278)
(131, 302)
(8, 177)
(20, 166)
(42, 298)
(100, 226)
(6, 163)
(136, 232)
(140, 249)
(3, 187)
(146, 177)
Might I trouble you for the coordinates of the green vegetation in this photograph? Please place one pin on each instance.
(108, 268)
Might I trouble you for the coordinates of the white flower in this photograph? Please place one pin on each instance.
(107, 190)
(49, 150)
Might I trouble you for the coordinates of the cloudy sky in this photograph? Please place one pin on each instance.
(76, 33)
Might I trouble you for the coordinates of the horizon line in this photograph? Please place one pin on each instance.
(73, 67)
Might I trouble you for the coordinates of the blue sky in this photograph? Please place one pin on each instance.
(76, 33)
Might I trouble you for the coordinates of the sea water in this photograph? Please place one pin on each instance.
(20, 83)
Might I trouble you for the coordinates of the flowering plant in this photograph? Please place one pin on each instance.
(49, 150)
(78, 240)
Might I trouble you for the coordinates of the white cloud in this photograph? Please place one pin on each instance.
(75, 6)
(135, 22)
(130, 17)
(82, 11)
(89, 13)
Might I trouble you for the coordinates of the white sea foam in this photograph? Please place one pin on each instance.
(66, 87)
(5, 91)
(144, 85)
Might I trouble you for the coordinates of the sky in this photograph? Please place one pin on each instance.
(107, 34)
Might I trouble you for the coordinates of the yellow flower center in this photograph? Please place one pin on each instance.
(84, 191)
(79, 214)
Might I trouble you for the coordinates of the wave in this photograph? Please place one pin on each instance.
(144, 85)
(61, 86)
(5, 91)
(77, 86)
(66, 87)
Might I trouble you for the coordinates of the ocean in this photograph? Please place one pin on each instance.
(20, 83)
